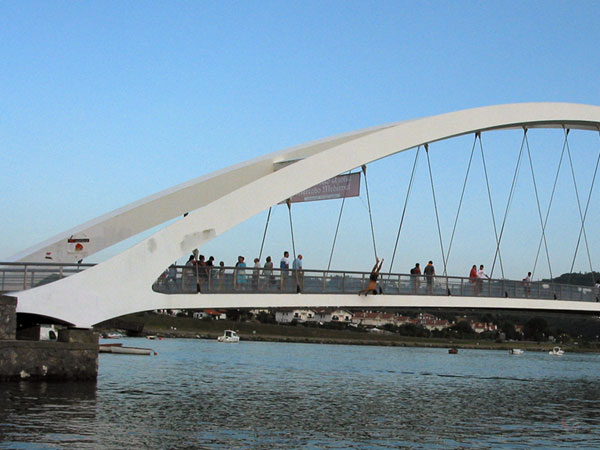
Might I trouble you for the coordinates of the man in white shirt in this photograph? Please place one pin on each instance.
(527, 284)
(284, 265)
(480, 276)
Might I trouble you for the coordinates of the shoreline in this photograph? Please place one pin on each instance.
(254, 331)
(392, 341)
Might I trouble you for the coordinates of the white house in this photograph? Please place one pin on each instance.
(480, 327)
(341, 315)
(299, 315)
(372, 319)
(322, 315)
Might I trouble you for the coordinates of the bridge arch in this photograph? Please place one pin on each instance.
(222, 200)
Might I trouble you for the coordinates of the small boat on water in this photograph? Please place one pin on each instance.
(113, 335)
(229, 336)
(556, 351)
(453, 351)
(119, 349)
(516, 351)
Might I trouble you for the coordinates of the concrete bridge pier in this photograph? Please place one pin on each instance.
(74, 357)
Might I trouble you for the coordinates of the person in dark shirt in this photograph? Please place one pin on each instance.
(429, 274)
(415, 275)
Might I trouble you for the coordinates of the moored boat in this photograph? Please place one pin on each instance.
(556, 351)
(119, 349)
(229, 336)
(516, 351)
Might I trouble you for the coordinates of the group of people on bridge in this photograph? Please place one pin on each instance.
(263, 277)
(476, 278)
(203, 273)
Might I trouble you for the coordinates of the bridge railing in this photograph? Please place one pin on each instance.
(20, 276)
(229, 280)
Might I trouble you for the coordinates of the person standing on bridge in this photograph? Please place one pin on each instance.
(255, 274)
(373, 279)
(172, 276)
(268, 274)
(480, 276)
(284, 265)
(221, 275)
(415, 275)
(240, 273)
(188, 274)
(473, 278)
(202, 272)
(429, 274)
(527, 284)
(298, 273)
(210, 270)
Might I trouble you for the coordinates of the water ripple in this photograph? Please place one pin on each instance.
(199, 394)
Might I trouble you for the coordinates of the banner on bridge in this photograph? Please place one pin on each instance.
(341, 186)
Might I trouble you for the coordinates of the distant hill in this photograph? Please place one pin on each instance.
(576, 278)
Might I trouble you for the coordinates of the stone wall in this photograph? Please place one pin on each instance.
(41, 360)
(73, 357)
(8, 317)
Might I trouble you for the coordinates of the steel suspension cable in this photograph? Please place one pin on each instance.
(338, 223)
(264, 234)
(550, 204)
(410, 184)
(437, 217)
(289, 205)
(510, 197)
(364, 169)
(537, 199)
(462, 194)
(583, 217)
(489, 192)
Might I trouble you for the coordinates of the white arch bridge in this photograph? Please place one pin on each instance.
(131, 281)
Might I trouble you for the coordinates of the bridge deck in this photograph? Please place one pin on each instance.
(229, 280)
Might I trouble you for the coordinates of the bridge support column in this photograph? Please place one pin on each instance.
(8, 318)
(73, 357)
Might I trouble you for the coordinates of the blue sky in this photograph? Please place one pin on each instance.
(105, 102)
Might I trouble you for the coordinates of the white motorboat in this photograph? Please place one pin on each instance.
(229, 336)
(516, 351)
(556, 351)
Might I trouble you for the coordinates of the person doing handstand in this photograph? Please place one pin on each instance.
(373, 279)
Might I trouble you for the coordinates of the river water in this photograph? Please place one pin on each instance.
(202, 394)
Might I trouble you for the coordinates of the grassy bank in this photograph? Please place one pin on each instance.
(184, 327)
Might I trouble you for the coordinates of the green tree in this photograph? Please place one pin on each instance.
(390, 327)
(507, 327)
(462, 330)
(410, 329)
(266, 317)
(536, 329)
